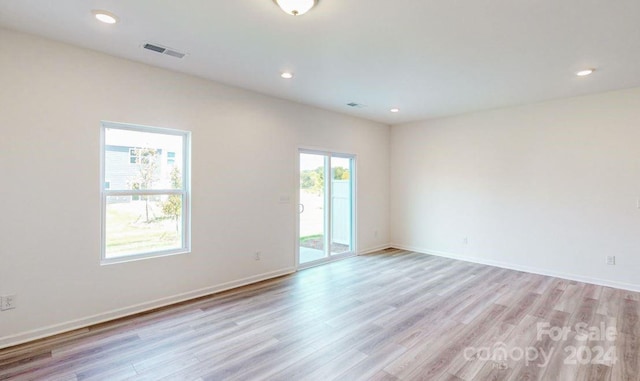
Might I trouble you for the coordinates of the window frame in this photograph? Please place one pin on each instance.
(185, 192)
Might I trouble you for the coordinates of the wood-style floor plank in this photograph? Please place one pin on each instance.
(392, 315)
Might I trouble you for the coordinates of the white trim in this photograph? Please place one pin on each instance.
(142, 256)
(328, 205)
(322, 261)
(527, 269)
(72, 325)
(296, 187)
(143, 128)
(325, 151)
(185, 192)
(144, 192)
(375, 249)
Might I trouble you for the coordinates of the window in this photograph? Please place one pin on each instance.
(145, 197)
(133, 156)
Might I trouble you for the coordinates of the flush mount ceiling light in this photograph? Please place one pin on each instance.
(286, 75)
(105, 17)
(394, 110)
(296, 7)
(584, 73)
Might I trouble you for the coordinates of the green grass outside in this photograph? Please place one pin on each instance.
(310, 237)
(128, 232)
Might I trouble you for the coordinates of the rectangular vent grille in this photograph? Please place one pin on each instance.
(163, 50)
(173, 53)
(155, 48)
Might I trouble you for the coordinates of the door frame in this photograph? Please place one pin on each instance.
(354, 206)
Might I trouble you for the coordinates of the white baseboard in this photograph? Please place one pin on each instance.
(374, 249)
(527, 269)
(56, 329)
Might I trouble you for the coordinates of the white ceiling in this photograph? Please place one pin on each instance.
(429, 58)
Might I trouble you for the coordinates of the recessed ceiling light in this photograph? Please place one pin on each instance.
(584, 73)
(395, 109)
(286, 75)
(105, 17)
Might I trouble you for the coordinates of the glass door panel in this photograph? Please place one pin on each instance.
(341, 205)
(313, 214)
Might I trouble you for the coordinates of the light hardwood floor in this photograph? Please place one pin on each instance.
(393, 315)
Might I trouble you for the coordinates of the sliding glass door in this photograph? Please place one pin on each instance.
(326, 209)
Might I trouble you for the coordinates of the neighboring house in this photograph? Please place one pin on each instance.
(124, 168)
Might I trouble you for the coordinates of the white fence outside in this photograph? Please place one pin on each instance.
(341, 205)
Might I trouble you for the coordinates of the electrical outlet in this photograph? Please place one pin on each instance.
(375, 233)
(7, 302)
(257, 256)
(611, 259)
(465, 240)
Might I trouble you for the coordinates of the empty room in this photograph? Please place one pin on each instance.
(320, 190)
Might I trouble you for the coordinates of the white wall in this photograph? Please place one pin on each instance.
(53, 97)
(550, 187)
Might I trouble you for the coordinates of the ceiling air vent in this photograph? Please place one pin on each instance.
(355, 105)
(163, 50)
(173, 53)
